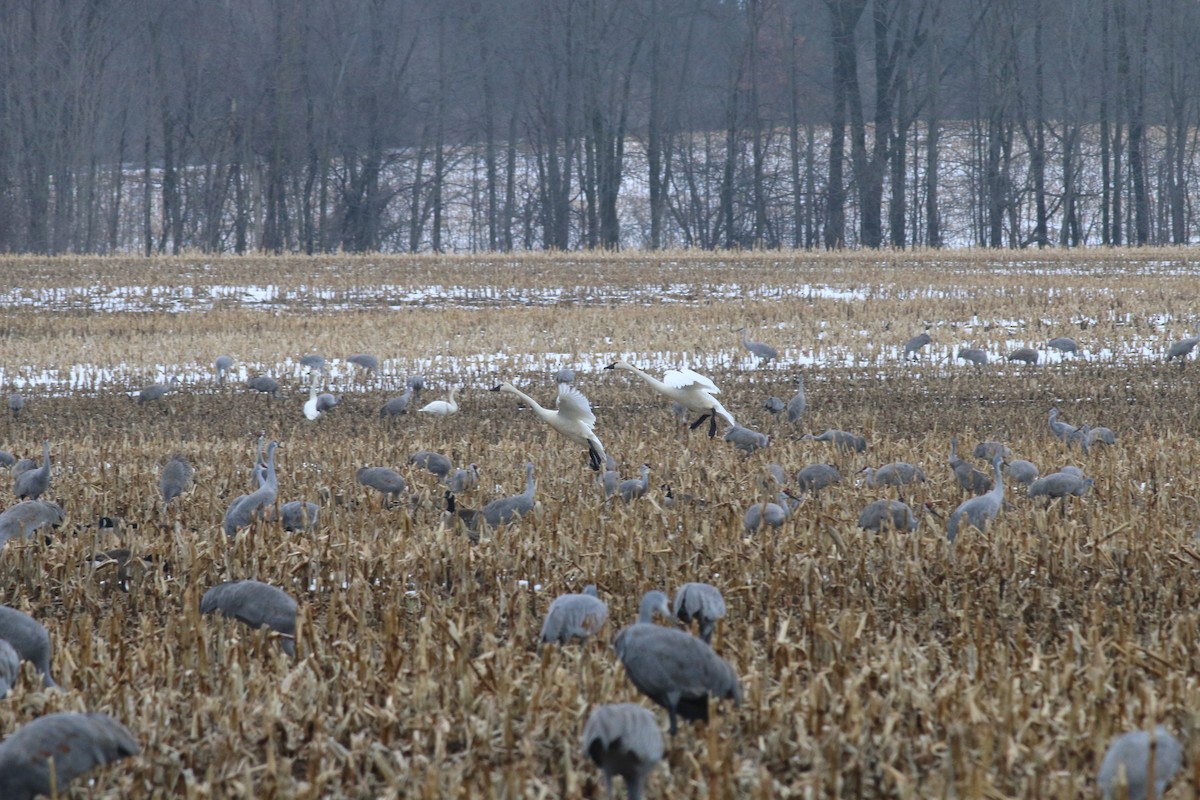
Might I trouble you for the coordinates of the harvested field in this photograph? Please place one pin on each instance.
(872, 665)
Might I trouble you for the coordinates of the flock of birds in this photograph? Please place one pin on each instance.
(675, 669)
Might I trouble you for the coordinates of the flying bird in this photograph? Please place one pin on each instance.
(690, 389)
(572, 417)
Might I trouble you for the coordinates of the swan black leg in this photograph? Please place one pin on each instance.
(699, 422)
(712, 425)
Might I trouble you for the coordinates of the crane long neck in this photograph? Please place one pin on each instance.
(46, 453)
(530, 483)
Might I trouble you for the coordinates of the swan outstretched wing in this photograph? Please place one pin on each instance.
(689, 379)
(573, 405)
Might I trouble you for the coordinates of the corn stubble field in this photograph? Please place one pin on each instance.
(889, 665)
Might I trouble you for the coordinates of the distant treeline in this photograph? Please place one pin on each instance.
(438, 125)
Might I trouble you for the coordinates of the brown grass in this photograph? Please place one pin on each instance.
(873, 666)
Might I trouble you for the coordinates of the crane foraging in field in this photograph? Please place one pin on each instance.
(10, 668)
(773, 514)
(1064, 344)
(764, 352)
(690, 389)
(843, 440)
(916, 343)
(623, 739)
(222, 366)
(263, 384)
(1026, 355)
(746, 440)
(365, 362)
(574, 616)
(34, 482)
(798, 402)
(565, 375)
(398, 405)
(1183, 348)
(248, 507)
(16, 402)
(634, 488)
(816, 477)
(774, 405)
(434, 463)
(256, 604)
(1061, 430)
(969, 478)
(155, 391)
(701, 602)
(72, 742)
(386, 481)
(674, 669)
(887, 513)
(1126, 769)
(506, 510)
(29, 638)
(1020, 471)
(572, 417)
(175, 479)
(977, 512)
(462, 480)
(25, 518)
(973, 355)
(897, 473)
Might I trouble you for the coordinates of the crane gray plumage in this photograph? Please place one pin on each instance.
(29, 638)
(398, 405)
(463, 480)
(175, 479)
(264, 384)
(1026, 355)
(978, 511)
(916, 343)
(365, 362)
(634, 488)
(623, 739)
(386, 481)
(1064, 344)
(7, 459)
(887, 512)
(248, 507)
(1130, 753)
(1183, 348)
(76, 742)
(1060, 484)
(897, 473)
(701, 602)
(798, 402)
(974, 355)
(1021, 472)
(222, 365)
(298, 515)
(506, 510)
(153, 392)
(326, 401)
(816, 477)
(764, 352)
(1101, 434)
(745, 439)
(574, 616)
(435, 463)
(774, 405)
(16, 403)
(34, 482)
(314, 363)
(773, 514)
(674, 669)
(257, 604)
(1080, 436)
(842, 440)
(416, 383)
(969, 478)
(1061, 430)
(10, 668)
(565, 375)
(988, 450)
(27, 517)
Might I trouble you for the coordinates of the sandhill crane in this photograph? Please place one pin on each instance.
(249, 507)
(27, 517)
(364, 361)
(565, 375)
(690, 389)
(764, 352)
(10, 668)
(969, 478)
(574, 616)
(1127, 764)
(773, 514)
(916, 343)
(701, 602)
(175, 479)
(572, 417)
(155, 391)
(310, 405)
(1061, 430)
(816, 477)
(7, 459)
(314, 363)
(978, 511)
(798, 402)
(634, 488)
(745, 439)
(297, 515)
(1064, 344)
(258, 605)
(441, 408)
(398, 405)
(388, 482)
(1101, 434)
(1026, 355)
(222, 365)
(462, 480)
(1183, 348)
(1020, 471)
(774, 405)
(506, 510)
(842, 440)
(326, 401)
(416, 383)
(264, 384)
(891, 513)
(1060, 484)
(74, 743)
(623, 739)
(32, 483)
(436, 463)
(988, 450)
(29, 639)
(973, 355)
(16, 402)
(674, 669)
(897, 473)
